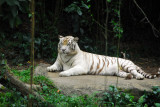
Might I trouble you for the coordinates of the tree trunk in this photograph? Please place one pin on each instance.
(106, 29)
(10, 81)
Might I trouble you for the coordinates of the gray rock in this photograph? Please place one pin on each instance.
(89, 84)
(41, 69)
(1, 86)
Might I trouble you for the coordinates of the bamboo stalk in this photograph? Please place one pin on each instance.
(32, 45)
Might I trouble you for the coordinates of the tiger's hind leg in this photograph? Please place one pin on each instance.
(124, 74)
(137, 75)
(132, 69)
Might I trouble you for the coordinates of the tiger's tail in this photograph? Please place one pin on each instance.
(147, 75)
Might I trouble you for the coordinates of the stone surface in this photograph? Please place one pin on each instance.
(1, 86)
(88, 84)
(41, 69)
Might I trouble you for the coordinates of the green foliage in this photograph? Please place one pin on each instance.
(57, 99)
(115, 21)
(79, 11)
(2, 65)
(2, 59)
(151, 98)
(114, 97)
(46, 46)
(108, 1)
(76, 7)
(11, 9)
(12, 99)
(19, 51)
(87, 45)
(52, 95)
(117, 98)
(23, 75)
(16, 50)
(117, 29)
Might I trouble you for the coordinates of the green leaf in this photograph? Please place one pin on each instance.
(31, 96)
(108, 1)
(127, 96)
(84, 5)
(17, 4)
(145, 105)
(88, 1)
(79, 11)
(14, 11)
(38, 41)
(157, 104)
(0, 76)
(155, 92)
(71, 8)
(45, 87)
(3, 62)
(29, 15)
(11, 22)
(141, 100)
(18, 21)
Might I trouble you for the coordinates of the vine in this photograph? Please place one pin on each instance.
(145, 17)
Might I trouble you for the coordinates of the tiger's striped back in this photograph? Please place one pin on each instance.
(102, 65)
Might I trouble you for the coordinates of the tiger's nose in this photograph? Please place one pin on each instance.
(63, 50)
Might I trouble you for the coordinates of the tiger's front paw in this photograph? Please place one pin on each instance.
(51, 68)
(64, 74)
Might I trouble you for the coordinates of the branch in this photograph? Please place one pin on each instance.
(10, 81)
(145, 16)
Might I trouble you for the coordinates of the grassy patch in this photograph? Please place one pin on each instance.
(52, 95)
(12, 99)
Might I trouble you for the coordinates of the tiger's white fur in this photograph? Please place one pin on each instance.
(73, 61)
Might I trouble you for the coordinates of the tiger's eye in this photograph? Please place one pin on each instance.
(69, 44)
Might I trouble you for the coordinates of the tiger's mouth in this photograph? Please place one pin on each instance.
(64, 52)
(69, 53)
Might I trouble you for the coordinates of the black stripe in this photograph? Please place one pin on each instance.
(132, 69)
(72, 63)
(68, 60)
(61, 58)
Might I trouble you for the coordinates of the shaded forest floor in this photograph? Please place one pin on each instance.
(149, 65)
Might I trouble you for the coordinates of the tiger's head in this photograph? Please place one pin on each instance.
(67, 45)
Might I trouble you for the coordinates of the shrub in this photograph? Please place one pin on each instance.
(117, 98)
(151, 98)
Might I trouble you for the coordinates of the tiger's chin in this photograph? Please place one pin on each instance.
(72, 53)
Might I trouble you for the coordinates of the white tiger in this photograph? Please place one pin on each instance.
(73, 61)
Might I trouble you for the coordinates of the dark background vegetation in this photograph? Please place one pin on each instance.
(106, 27)
(85, 19)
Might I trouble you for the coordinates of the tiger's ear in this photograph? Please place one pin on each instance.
(76, 39)
(60, 36)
